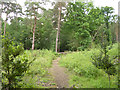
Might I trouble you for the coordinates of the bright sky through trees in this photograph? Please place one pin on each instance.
(99, 3)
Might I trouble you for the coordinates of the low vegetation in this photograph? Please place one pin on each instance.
(84, 73)
(37, 74)
(24, 68)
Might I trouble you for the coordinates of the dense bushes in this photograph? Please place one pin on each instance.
(14, 63)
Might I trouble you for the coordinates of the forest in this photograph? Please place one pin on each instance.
(70, 45)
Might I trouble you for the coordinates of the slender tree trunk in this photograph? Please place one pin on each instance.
(1, 20)
(0, 26)
(56, 41)
(5, 25)
(58, 31)
(33, 40)
(59, 24)
(34, 34)
(0, 23)
(116, 36)
(34, 30)
(116, 31)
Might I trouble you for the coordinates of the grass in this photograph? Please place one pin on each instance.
(37, 74)
(0, 72)
(84, 73)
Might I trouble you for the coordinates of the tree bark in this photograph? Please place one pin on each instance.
(34, 30)
(0, 26)
(56, 41)
(1, 20)
(116, 31)
(34, 34)
(58, 31)
(5, 25)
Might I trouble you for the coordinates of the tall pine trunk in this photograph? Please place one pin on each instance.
(0, 26)
(57, 41)
(5, 25)
(116, 31)
(1, 19)
(34, 34)
(58, 31)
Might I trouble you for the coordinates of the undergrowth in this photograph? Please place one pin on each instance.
(36, 76)
(84, 73)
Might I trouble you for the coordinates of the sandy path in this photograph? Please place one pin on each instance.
(60, 77)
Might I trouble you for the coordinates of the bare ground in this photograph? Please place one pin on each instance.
(59, 75)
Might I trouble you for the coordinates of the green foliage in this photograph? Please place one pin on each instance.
(55, 14)
(38, 70)
(32, 8)
(84, 73)
(108, 19)
(45, 34)
(10, 7)
(79, 26)
(80, 64)
(103, 60)
(100, 82)
(84, 24)
(14, 65)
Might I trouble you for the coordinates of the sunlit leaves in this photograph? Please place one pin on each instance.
(77, 18)
(14, 64)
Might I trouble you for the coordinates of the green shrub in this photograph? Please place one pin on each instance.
(104, 62)
(14, 64)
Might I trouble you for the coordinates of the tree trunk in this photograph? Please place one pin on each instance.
(56, 40)
(33, 40)
(34, 34)
(1, 20)
(116, 31)
(5, 24)
(0, 23)
(58, 31)
(0, 26)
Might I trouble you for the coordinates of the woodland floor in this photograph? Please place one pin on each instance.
(59, 74)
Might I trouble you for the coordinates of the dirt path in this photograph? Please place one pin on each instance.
(60, 77)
